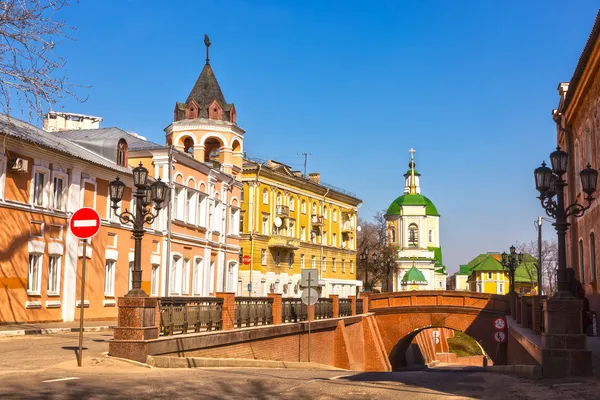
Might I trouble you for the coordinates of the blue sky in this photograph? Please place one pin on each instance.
(469, 84)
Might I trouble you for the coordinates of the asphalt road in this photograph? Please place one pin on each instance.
(45, 367)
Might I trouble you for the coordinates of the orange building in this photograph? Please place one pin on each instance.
(191, 249)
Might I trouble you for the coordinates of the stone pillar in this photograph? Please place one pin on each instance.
(311, 312)
(512, 300)
(518, 309)
(536, 313)
(277, 310)
(563, 342)
(353, 300)
(138, 322)
(228, 310)
(335, 305)
(525, 315)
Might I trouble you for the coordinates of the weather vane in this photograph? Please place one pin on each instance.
(207, 44)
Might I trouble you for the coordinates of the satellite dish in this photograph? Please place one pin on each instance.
(278, 222)
(358, 228)
(313, 234)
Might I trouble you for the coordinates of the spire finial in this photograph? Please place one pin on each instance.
(413, 186)
(207, 44)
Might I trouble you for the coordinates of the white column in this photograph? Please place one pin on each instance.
(72, 243)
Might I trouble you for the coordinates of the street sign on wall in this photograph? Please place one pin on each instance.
(85, 223)
(499, 323)
(313, 273)
(246, 260)
(499, 336)
(309, 301)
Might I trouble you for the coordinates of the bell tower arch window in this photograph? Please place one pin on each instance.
(212, 150)
(413, 235)
(188, 146)
(122, 153)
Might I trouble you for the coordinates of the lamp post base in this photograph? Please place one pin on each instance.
(136, 293)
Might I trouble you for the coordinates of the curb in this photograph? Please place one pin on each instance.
(200, 362)
(50, 331)
(524, 371)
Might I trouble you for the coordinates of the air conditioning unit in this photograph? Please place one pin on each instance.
(18, 165)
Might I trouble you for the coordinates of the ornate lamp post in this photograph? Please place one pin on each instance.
(550, 183)
(390, 262)
(510, 262)
(363, 257)
(144, 196)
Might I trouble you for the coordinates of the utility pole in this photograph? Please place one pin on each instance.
(305, 159)
(540, 269)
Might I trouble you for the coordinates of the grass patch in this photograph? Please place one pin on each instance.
(463, 345)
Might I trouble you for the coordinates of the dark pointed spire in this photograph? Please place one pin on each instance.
(207, 44)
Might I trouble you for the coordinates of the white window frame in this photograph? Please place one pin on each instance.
(109, 279)
(343, 266)
(313, 262)
(62, 176)
(3, 165)
(179, 202)
(303, 230)
(263, 257)
(175, 278)
(185, 276)
(265, 225)
(303, 206)
(130, 274)
(202, 210)
(190, 206)
(234, 221)
(154, 275)
(265, 196)
(323, 264)
(34, 290)
(57, 267)
(334, 239)
(45, 187)
(333, 265)
(292, 203)
(351, 266)
(291, 229)
(301, 261)
(334, 215)
(290, 260)
(277, 259)
(198, 278)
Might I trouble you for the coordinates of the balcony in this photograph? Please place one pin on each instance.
(284, 242)
(347, 227)
(282, 211)
(317, 220)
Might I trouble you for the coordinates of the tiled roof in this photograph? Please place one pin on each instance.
(205, 91)
(108, 134)
(22, 130)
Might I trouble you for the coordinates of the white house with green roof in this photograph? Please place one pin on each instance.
(413, 224)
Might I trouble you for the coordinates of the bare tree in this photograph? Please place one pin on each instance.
(31, 74)
(549, 261)
(373, 236)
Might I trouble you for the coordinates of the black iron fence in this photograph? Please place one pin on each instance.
(359, 306)
(292, 310)
(179, 315)
(345, 307)
(324, 308)
(253, 311)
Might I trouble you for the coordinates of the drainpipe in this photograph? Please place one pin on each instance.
(169, 218)
(322, 212)
(252, 231)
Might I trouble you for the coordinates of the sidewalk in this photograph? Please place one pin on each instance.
(593, 344)
(54, 327)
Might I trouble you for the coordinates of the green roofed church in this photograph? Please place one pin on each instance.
(413, 224)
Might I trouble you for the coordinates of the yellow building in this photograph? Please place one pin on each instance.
(290, 222)
(487, 275)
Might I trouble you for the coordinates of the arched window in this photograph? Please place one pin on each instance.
(430, 236)
(303, 207)
(278, 200)
(325, 212)
(292, 205)
(593, 255)
(265, 196)
(212, 150)
(392, 235)
(581, 263)
(122, 153)
(314, 208)
(188, 146)
(334, 215)
(413, 235)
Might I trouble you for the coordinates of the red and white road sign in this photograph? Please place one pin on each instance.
(499, 337)
(246, 260)
(499, 324)
(85, 223)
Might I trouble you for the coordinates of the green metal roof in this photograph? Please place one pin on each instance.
(408, 173)
(463, 269)
(412, 200)
(488, 264)
(414, 275)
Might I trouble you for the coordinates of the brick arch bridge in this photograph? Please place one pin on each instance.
(402, 315)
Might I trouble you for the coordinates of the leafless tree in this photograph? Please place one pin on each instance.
(31, 73)
(373, 236)
(549, 261)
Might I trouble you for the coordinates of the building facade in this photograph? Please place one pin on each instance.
(458, 281)
(487, 275)
(413, 225)
(289, 223)
(578, 132)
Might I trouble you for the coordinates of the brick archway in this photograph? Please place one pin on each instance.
(401, 315)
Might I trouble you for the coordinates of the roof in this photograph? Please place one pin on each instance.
(583, 59)
(19, 129)
(412, 200)
(489, 263)
(409, 172)
(205, 91)
(414, 275)
(95, 137)
(463, 269)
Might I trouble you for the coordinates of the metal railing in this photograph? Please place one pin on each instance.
(324, 308)
(178, 315)
(292, 310)
(359, 306)
(253, 311)
(345, 307)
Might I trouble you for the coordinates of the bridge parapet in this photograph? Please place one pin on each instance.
(440, 298)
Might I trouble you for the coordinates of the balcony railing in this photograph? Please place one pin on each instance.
(292, 310)
(317, 220)
(284, 242)
(347, 227)
(324, 308)
(282, 211)
(345, 307)
(178, 315)
(253, 311)
(359, 306)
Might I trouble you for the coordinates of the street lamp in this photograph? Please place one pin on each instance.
(144, 195)
(364, 259)
(390, 263)
(510, 262)
(550, 183)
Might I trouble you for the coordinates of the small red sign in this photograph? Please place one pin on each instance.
(499, 323)
(246, 260)
(85, 223)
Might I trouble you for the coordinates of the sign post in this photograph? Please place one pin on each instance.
(84, 224)
(309, 296)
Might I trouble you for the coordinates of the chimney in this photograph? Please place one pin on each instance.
(297, 174)
(315, 177)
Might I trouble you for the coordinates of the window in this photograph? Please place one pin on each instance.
(54, 275)
(242, 192)
(593, 255)
(581, 263)
(109, 278)
(489, 274)
(430, 236)
(265, 196)
(577, 169)
(324, 238)
(39, 185)
(154, 280)
(263, 257)
(301, 261)
(325, 212)
(303, 233)
(314, 208)
(198, 271)
(265, 225)
(131, 264)
(235, 221)
(392, 235)
(58, 193)
(323, 264)
(333, 265)
(201, 210)
(303, 207)
(334, 215)
(291, 232)
(334, 239)
(211, 212)
(351, 266)
(122, 153)
(277, 259)
(2, 175)
(313, 262)
(34, 276)
(343, 266)
(190, 206)
(290, 260)
(179, 204)
(278, 199)
(501, 289)
(292, 204)
(175, 278)
(413, 235)
(479, 287)
(185, 277)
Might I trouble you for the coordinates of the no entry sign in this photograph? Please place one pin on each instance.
(499, 323)
(499, 337)
(85, 223)
(246, 260)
